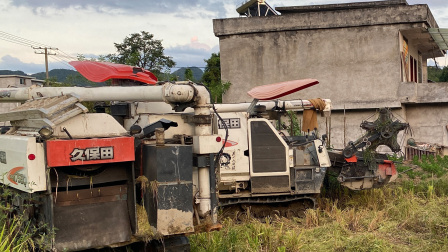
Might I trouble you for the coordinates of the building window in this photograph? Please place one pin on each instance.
(419, 68)
(22, 81)
(415, 70)
(405, 60)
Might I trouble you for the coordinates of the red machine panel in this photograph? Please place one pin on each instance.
(102, 71)
(90, 151)
(277, 90)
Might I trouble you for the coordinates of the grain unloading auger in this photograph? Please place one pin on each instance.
(160, 164)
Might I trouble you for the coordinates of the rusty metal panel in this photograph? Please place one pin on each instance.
(170, 200)
(270, 184)
(91, 196)
(172, 209)
(307, 179)
(86, 226)
(67, 177)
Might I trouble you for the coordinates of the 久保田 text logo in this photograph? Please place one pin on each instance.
(94, 153)
(15, 177)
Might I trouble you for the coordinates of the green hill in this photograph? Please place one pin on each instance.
(9, 72)
(66, 76)
(59, 75)
(197, 73)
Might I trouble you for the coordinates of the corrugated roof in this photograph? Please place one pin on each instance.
(440, 36)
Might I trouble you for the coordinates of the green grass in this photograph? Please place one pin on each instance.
(17, 232)
(409, 215)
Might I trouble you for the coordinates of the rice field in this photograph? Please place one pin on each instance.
(410, 214)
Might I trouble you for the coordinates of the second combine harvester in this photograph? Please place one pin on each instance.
(159, 164)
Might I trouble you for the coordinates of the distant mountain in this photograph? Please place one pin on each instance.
(66, 76)
(9, 72)
(59, 75)
(197, 73)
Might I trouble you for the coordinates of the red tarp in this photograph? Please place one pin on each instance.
(102, 71)
(276, 90)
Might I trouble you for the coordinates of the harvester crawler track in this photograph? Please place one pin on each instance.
(267, 206)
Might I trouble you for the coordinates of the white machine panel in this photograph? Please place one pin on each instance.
(206, 144)
(22, 163)
(322, 154)
(234, 165)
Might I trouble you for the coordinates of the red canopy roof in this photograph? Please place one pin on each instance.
(102, 71)
(276, 90)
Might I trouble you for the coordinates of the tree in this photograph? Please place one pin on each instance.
(142, 50)
(434, 73)
(444, 75)
(212, 78)
(189, 74)
(100, 58)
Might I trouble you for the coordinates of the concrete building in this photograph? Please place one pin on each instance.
(7, 81)
(365, 55)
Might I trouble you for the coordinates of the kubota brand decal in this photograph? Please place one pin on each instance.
(89, 151)
(15, 177)
(3, 157)
(229, 143)
(95, 153)
(231, 123)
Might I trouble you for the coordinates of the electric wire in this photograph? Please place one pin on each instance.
(66, 55)
(30, 43)
(15, 37)
(65, 58)
(21, 40)
(16, 42)
(61, 61)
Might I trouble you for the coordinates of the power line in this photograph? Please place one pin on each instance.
(38, 46)
(64, 57)
(26, 42)
(67, 55)
(21, 40)
(15, 42)
(46, 57)
(61, 61)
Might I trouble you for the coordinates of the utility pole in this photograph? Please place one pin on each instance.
(46, 58)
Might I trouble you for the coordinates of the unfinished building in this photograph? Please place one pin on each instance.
(365, 55)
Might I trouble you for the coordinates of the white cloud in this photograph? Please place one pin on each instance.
(92, 27)
(85, 30)
(8, 62)
(192, 54)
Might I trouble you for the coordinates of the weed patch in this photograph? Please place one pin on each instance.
(410, 215)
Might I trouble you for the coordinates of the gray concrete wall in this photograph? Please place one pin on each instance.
(351, 126)
(14, 81)
(353, 65)
(429, 122)
(354, 53)
(326, 20)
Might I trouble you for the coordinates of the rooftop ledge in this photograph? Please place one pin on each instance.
(343, 6)
(419, 93)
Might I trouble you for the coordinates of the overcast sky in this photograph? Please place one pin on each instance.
(91, 27)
